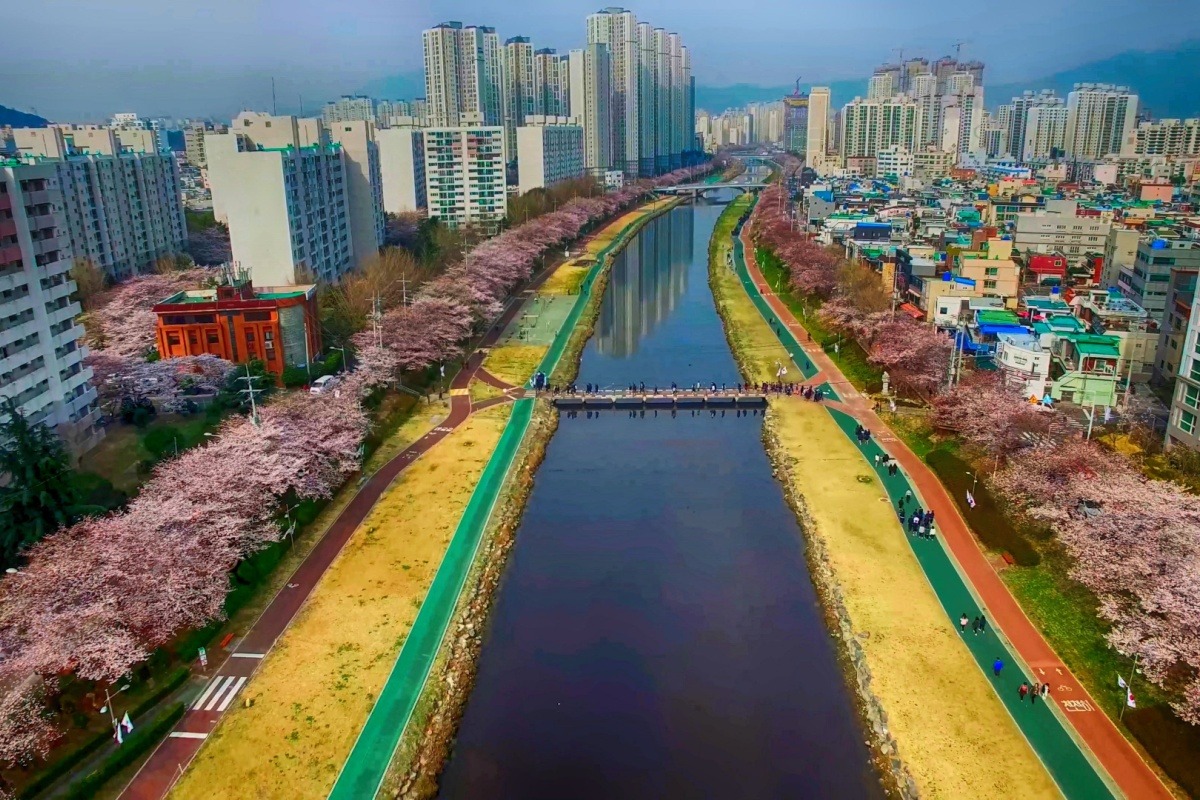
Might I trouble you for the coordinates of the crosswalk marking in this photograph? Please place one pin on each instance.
(186, 735)
(219, 693)
(248, 655)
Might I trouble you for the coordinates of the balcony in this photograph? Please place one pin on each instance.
(37, 198)
(40, 221)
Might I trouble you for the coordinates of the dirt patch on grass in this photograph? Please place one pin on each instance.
(932, 711)
(515, 363)
(313, 693)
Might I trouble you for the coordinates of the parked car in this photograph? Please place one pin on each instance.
(323, 384)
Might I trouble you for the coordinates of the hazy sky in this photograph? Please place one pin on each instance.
(77, 60)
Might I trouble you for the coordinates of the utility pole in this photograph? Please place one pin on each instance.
(251, 390)
(1128, 688)
(375, 321)
(273, 112)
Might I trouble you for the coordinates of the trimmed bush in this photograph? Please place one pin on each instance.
(170, 682)
(1174, 744)
(136, 745)
(987, 520)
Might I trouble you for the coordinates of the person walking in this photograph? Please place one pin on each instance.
(962, 623)
(877, 461)
(1033, 695)
(975, 625)
(982, 624)
(1045, 692)
(1024, 690)
(997, 665)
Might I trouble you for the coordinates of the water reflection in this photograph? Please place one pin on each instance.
(648, 279)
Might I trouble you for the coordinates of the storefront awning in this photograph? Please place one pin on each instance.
(912, 311)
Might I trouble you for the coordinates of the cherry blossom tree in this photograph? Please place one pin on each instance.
(983, 411)
(25, 731)
(121, 320)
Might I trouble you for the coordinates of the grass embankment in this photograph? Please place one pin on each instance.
(952, 733)
(566, 280)
(515, 363)
(848, 356)
(754, 346)
(314, 691)
(480, 391)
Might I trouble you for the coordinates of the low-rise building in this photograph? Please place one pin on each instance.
(1181, 298)
(279, 326)
(1085, 369)
(1148, 280)
(1109, 313)
(549, 151)
(1059, 229)
(1023, 363)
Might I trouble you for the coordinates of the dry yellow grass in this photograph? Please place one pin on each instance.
(424, 418)
(314, 691)
(953, 734)
(481, 391)
(515, 363)
(566, 280)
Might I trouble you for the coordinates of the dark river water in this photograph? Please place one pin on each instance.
(656, 634)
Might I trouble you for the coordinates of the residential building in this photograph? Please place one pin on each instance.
(551, 83)
(1183, 424)
(1085, 368)
(1058, 228)
(364, 186)
(549, 151)
(816, 140)
(280, 185)
(923, 88)
(1167, 137)
(616, 29)
(961, 117)
(931, 164)
(1109, 313)
(193, 143)
(123, 207)
(464, 76)
(591, 105)
(884, 83)
(1047, 136)
(1100, 118)
(1181, 297)
(402, 169)
(349, 108)
(870, 125)
(41, 352)
(795, 123)
(520, 93)
(278, 325)
(1120, 251)
(895, 160)
(1023, 363)
(465, 174)
(1147, 282)
(991, 269)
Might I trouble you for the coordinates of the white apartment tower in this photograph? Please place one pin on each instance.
(122, 205)
(591, 105)
(402, 169)
(871, 125)
(464, 174)
(520, 95)
(616, 28)
(1100, 118)
(1022, 107)
(281, 186)
(41, 356)
(364, 186)
(1045, 132)
(349, 108)
(1168, 137)
(818, 127)
(550, 151)
(464, 76)
(551, 83)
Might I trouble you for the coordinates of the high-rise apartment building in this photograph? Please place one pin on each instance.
(520, 94)
(1167, 137)
(364, 186)
(1045, 131)
(1022, 107)
(795, 122)
(870, 125)
(591, 105)
(961, 116)
(41, 355)
(551, 83)
(1183, 425)
(464, 75)
(884, 83)
(122, 203)
(550, 151)
(816, 144)
(465, 174)
(616, 28)
(402, 169)
(1100, 118)
(280, 185)
(402, 113)
(349, 108)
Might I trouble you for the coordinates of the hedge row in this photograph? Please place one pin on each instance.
(136, 745)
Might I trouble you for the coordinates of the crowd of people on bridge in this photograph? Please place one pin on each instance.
(778, 388)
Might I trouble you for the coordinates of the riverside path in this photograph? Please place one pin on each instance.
(1081, 748)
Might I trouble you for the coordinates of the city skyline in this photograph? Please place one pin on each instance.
(91, 67)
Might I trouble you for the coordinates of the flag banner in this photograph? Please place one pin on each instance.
(119, 734)
(1129, 701)
(1121, 682)
(970, 499)
(127, 723)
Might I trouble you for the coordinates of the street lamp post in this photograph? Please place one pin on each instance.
(974, 481)
(108, 705)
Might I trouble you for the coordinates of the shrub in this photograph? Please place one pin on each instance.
(136, 744)
(1174, 744)
(987, 520)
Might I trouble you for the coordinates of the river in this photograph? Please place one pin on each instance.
(656, 633)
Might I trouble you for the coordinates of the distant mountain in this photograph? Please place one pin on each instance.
(20, 119)
(405, 86)
(1162, 79)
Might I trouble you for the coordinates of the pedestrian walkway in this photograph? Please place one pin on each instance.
(1081, 748)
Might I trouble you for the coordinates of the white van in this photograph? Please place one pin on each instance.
(323, 384)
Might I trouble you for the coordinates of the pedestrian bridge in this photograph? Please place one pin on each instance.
(664, 399)
(700, 189)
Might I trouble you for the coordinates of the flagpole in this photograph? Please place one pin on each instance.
(1128, 687)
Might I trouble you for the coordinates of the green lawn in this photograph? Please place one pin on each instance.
(126, 451)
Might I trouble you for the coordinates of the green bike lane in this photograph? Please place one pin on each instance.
(1067, 762)
(363, 772)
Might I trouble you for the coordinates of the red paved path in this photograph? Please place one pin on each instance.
(1132, 775)
(229, 672)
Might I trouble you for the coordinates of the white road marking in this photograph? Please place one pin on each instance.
(229, 696)
(186, 735)
(207, 691)
(216, 698)
(249, 655)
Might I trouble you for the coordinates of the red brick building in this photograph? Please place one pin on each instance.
(237, 322)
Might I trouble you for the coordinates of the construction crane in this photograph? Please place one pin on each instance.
(958, 46)
(798, 77)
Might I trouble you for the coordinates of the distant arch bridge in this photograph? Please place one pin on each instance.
(701, 189)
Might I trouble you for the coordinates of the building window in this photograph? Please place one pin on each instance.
(1187, 422)
(989, 284)
(1191, 396)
